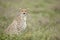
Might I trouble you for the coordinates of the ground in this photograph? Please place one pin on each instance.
(43, 21)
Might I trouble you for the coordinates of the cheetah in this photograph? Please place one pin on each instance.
(18, 24)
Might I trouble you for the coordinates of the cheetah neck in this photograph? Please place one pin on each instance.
(22, 21)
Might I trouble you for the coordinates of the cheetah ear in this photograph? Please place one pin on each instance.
(27, 9)
(20, 8)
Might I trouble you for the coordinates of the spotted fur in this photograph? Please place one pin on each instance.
(18, 24)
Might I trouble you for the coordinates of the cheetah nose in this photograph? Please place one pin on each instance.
(23, 13)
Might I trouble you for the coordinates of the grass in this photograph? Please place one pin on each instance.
(43, 22)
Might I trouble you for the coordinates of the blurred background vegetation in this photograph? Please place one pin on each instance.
(43, 22)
